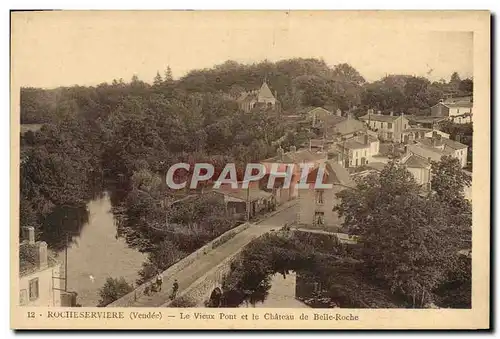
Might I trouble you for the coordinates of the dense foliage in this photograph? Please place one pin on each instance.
(113, 289)
(410, 240)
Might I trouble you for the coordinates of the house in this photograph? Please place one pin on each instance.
(246, 203)
(459, 112)
(358, 150)
(316, 203)
(447, 146)
(419, 167)
(335, 127)
(426, 121)
(39, 274)
(317, 116)
(284, 159)
(388, 127)
(263, 98)
(415, 133)
(434, 148)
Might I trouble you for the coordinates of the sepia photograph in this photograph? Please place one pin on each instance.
(281, 162)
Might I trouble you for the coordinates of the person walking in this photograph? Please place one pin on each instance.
(175, 288)
(159, 280)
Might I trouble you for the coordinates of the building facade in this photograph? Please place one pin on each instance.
(457, 112)
(39, 274)
(316, 203)
(388, 127)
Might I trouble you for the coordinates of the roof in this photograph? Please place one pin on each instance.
(448, 143)
(265, 92)
(379, 117)
(424, 119)
(418, 129)
(319, 110)
(426, 152)
(415, 161)
(244, 194)
(379, 166)
(334, 174)
(296, 157)
(358, 142)
(349, 126)
(28, 262)
(465, 104)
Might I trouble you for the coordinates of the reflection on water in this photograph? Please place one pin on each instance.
(281, 294)
(95, 252)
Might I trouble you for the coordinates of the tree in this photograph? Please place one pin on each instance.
(113, 290)
(409, 240)
(157, 80)
(168, 75)
(449, 181)
(160, 258)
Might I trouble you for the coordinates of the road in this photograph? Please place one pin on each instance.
(190, 274)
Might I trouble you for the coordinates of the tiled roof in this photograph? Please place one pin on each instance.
(358, 142)
(424, 119)
(448, 143)
(458, 104)
(427, 152)
(379, 117)
(416, 161)
(319, 110)
(296, 157)
(334, 174)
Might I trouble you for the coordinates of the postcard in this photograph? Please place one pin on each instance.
(250, 170)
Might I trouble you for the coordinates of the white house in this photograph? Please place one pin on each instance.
(39, 274)
(458, 112)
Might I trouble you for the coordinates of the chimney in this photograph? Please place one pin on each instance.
(293, 149)
(391, 113)
(29, 234)
(280, 153)
(42, 255)
(379, 112)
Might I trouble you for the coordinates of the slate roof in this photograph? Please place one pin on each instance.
(265, 92)
(458, 104)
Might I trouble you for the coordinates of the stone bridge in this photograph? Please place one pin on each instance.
(201, 273)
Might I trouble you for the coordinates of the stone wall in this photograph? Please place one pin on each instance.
(202, 288)
(129, 299)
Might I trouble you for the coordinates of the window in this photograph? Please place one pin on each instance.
(381, 125)
(365, 153)
(23, 297)
(319, 218)
(319, 197)
(389, 125)
(33, 289)
(389, 135)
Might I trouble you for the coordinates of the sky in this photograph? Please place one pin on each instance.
(88, 48)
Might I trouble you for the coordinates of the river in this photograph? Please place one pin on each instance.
(281, 294)
(96, 253)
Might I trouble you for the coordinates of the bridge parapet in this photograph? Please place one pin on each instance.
(199, 292)
(130, 298)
